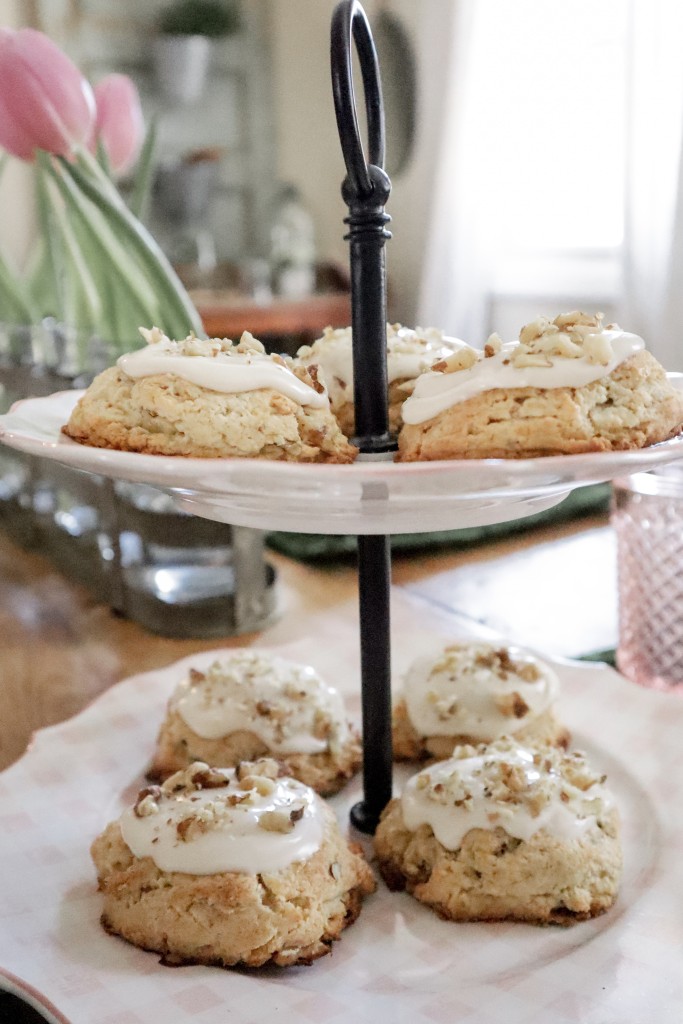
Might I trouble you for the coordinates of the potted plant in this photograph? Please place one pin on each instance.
(182, 49)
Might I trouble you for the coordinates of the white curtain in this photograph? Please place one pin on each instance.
(480, 205)
(652, 281)
(453, 289)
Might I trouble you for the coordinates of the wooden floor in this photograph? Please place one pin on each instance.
(553, 589)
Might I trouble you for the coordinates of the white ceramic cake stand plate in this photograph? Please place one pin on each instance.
(365, 498)
(399, 962)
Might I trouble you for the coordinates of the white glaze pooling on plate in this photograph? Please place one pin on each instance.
(226, 830)
(435, 392)
(409, 353)
(507, 785)
(480, 690)
(219, 366)
(287, 705)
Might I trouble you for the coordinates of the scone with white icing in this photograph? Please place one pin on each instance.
(209, 399)
(230, 867)
(475, 692)
(567, 386)
(504, 832)
(409, 353)
(252, 704)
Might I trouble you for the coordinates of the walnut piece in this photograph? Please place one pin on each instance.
(147, 801)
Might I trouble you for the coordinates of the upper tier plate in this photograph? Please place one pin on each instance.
(364, 498)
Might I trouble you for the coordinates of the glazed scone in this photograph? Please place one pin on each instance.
(567, 386)
(230, 867)
(251, 704)
(209, 399)
(504, 832)
(475, 692)
(409, 353)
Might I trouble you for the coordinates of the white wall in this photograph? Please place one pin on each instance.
(17, 221)
(308, 150)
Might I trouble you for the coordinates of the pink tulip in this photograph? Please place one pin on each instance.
(45, 103)
(119, 123)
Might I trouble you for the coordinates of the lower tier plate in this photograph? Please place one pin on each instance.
(399, 962)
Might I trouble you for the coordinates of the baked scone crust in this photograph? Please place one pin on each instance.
(409, 745)
(178, 746)
(494, 876)
(287, 918)
(632, 407)
(166, 415)
(398, 392)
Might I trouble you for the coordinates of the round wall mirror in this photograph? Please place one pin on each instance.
(399, 86)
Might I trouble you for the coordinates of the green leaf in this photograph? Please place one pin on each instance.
(143, 173)
(40, 280)
(83, 305)
(180, 316)
(15, 302)
(127, 293)
(49, 234)
(103, 157)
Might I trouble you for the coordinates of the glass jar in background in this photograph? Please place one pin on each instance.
(182, 576)
(647, 514)
(292, 245)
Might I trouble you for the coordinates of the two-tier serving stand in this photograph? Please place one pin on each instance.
(375, 496)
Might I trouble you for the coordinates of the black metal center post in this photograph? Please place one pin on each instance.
(365, 190)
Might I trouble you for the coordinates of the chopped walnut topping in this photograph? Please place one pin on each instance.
(316, 383)
(248, 343)
(263, 786)
(569, 335)
(493, 345)
(512, 705)
(147, 801)
(527, 671)
(276, 821)
(184, 826)
(463, 359)
(511, 778)
(267, 767)
(209, 778)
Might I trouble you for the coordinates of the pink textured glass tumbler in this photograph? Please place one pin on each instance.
(647, 514)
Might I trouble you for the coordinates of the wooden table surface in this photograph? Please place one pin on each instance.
(553, 588)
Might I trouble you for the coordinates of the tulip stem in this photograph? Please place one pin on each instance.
(45, 215)
(115, 267)
(180, 315)
(143, 174)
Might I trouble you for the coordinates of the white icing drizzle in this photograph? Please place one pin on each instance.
(409, 353)
(434, 392)
(477, 689)
(508, 785)
(218, 365)
(223, 829)
(287, 705)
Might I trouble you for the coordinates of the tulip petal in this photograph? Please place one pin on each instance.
(46, 102)
(119, 123)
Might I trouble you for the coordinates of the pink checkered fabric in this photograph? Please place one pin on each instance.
(399, 962)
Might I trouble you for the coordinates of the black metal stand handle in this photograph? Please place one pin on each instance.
(365, 191)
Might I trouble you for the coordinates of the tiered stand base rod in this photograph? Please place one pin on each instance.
(365, 190)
